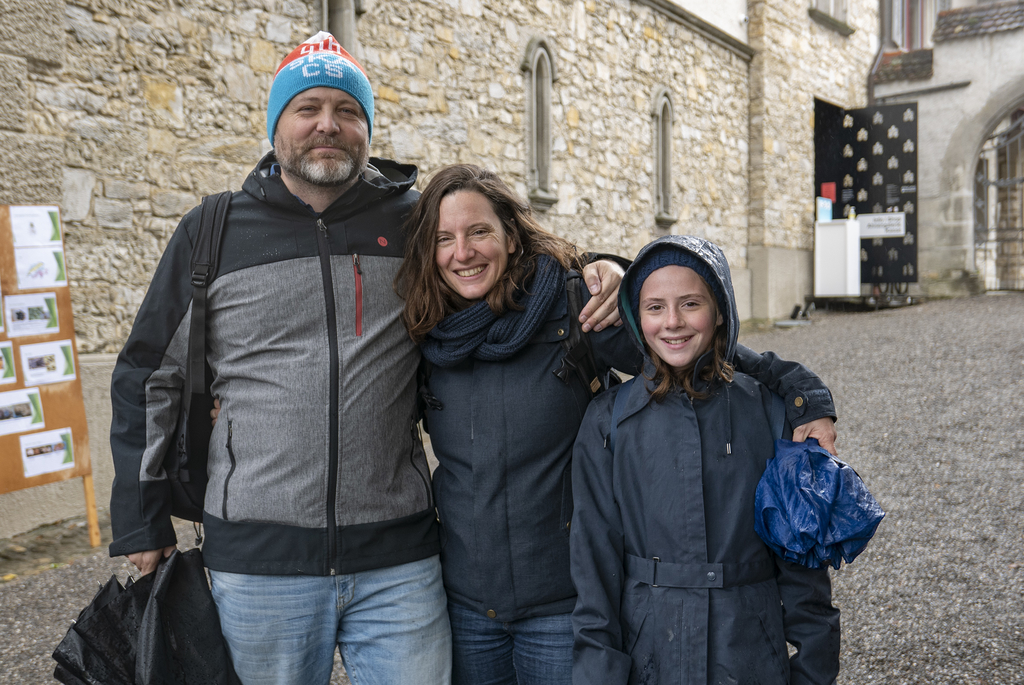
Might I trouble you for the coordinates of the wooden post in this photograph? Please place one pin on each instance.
(90, 511)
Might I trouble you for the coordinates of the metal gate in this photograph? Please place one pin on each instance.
(999, 206)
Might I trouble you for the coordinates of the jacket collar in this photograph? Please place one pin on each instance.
(381, 178)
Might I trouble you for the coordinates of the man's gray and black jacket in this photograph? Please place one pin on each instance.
(315, 466)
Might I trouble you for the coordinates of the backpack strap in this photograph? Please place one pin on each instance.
(778, 416)
(617, 409)
(205, 258)
(579, 353)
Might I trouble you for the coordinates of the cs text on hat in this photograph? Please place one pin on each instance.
(318, 61)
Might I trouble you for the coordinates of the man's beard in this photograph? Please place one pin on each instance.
(323, 172)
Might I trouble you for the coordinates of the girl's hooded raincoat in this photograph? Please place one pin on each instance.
(674, 586)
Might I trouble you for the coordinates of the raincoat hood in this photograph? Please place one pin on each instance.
(717, 268)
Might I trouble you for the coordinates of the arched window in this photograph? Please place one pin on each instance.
(540, 68)
(662, 115)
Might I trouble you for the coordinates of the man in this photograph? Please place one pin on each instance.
(319, 523)
(320, 527)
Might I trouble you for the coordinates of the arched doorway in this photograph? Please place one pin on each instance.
(999, 205)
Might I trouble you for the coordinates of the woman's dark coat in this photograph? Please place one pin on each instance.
(674, 585)
(503, 488)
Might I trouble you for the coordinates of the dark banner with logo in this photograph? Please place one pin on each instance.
(866, 161)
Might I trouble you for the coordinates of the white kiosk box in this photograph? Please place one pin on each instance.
(837, 258)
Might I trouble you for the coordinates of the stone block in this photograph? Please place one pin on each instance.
(69, 97)
(79, 185)
(105, 142)
(34, 30)
(125, 190)
(13, 92)
(279, 30)
(88, 31)
(172, 203)
(113, 213)
(166, 99)
(779, 279)
(263, 56)
(221, 44)
(33, 169)
(241, 83)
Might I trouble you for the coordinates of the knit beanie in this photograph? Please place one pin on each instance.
(672, 255)
(319, 61)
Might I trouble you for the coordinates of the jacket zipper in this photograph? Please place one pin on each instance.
(358, 272)
(332, 344)
(231, 471)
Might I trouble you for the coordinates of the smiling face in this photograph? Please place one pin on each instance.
(472, 247)
(322, 138)
(678, 315)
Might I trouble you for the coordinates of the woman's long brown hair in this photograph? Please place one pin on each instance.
(668, 378)
(428, 299)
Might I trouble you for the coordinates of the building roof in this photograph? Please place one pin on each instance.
(978, 20)
(915, 65)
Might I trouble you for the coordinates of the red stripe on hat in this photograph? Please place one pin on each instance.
(317, 44)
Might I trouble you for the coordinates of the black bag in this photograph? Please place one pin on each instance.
(161, 630)
(186, 460)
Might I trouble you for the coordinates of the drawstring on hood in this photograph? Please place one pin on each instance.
(708, 260)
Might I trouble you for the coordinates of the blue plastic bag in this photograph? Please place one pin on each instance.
(813, 509)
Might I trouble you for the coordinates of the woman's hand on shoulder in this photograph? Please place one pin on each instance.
(602, 278)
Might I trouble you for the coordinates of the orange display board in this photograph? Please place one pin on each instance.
(43, 433)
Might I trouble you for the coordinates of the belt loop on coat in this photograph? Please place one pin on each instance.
(657, 573)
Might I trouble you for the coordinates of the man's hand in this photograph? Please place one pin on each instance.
(822, 430)
(215, 412)
(602, 278)
(147, 561)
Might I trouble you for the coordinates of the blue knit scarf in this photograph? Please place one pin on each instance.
(477, 332)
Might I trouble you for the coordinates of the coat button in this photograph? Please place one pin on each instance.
(567, 525)
(561, 331)
(711, 576)
(798, 402)
(491, 613)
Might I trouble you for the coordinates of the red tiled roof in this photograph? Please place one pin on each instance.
(904, 66)
(978, 20)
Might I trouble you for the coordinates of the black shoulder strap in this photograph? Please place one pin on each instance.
(617, 409)
(579, 355)
(205, 257)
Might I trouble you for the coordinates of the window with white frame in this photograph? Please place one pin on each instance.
(663, 118)
(540, 68)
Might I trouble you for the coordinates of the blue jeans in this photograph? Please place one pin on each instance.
(390, 624)
(530, 651)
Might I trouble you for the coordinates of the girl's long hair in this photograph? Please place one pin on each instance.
(428, 299)
(667, 378)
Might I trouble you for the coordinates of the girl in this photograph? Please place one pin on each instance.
(674, 586)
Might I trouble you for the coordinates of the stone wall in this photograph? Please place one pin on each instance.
(798, 60)
(450, 89)
(151, 106)
(146, 106)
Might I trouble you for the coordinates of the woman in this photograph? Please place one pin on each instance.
(484, 286)
(674, 584)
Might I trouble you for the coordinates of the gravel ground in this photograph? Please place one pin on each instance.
(931, 410)
(932, 417)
